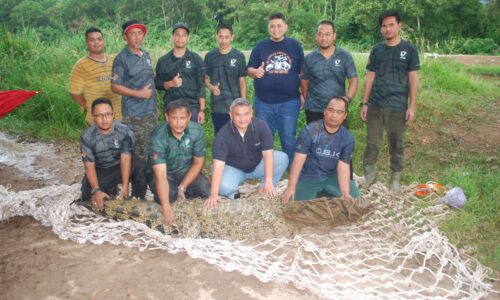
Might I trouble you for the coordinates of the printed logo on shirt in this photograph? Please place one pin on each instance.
(188, 64)
(149, 61)
(337, 62)
(278, 63)
(102, 78)
(117, 144)
(327, 153)
(187, 143)
(232, 63)
(403, 55)
(257, 145)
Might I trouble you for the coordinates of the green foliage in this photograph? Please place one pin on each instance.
(427, 21)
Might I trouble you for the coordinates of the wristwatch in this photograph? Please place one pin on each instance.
(93, 191)
(363, 103)
(181, 189)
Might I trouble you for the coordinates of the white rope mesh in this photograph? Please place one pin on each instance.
(395, 251)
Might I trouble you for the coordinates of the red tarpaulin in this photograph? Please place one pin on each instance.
(9, 100)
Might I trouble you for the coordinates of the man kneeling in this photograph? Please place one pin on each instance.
(243, 149)
(107, 150)
(324, 151)
(176, 157)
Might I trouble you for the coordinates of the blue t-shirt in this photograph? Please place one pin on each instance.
(324, 150)
(282, 63)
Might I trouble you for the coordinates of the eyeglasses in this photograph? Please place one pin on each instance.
(104, 116)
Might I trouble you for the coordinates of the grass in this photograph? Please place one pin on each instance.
(450, 100)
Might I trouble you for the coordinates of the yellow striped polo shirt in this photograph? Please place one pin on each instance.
(93, 79)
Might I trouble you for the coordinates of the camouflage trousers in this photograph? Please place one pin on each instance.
(142, 128)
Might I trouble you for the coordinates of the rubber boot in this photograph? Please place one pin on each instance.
(394, 184)
(370, 175)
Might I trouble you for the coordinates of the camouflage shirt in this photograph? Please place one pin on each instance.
(105, 149)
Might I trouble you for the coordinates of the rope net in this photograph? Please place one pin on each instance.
(392, 250)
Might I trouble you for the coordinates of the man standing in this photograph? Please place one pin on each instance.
(275, 65)
(181, 73)
(324, 73)
(107, 150)
(226, 71)
(133, 79)
(243, 149)
(176, 157)
(324, 151)
(391, 79)
(91, 75)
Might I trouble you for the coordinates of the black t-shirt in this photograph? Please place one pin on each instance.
(391, 65)
(191, 69)
(225, 70)
(243, 153)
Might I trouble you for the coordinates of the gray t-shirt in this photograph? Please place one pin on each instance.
(135, 72)
(105, 149)
(391, 65)
(326, 77)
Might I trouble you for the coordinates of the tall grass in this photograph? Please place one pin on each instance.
(448, 96)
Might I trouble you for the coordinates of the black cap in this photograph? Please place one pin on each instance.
(180, 25)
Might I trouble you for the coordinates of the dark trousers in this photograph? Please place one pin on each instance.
(200, 187)
(312, 116)
(393, 122)
(109, 178)
(219, 120)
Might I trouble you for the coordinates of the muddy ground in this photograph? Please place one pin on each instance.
(36, 264)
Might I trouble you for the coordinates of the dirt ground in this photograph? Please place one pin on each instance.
(36, 264)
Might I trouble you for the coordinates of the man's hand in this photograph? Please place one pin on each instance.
(168, 216)
(410, 116)
(181, 193)
(177, 81)
(363, 111)
(346, 197)
(98, 199)
(124, 192)
(215, 89)
(267, 189)
(259, 73)
(212, 201)
(288, 194)
(145, 92)
(201, 117)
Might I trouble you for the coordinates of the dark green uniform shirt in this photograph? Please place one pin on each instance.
(225, 70)
(326, 77)
(165, 148)
(192, 71)
(391, 65)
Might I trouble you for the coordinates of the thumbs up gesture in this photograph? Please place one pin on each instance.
(177, 81)
(260, 71)
(215, 89)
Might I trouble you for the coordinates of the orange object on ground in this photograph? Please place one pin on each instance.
(10, 100)
(425, 189)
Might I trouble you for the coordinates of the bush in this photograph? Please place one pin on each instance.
(479, 46)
